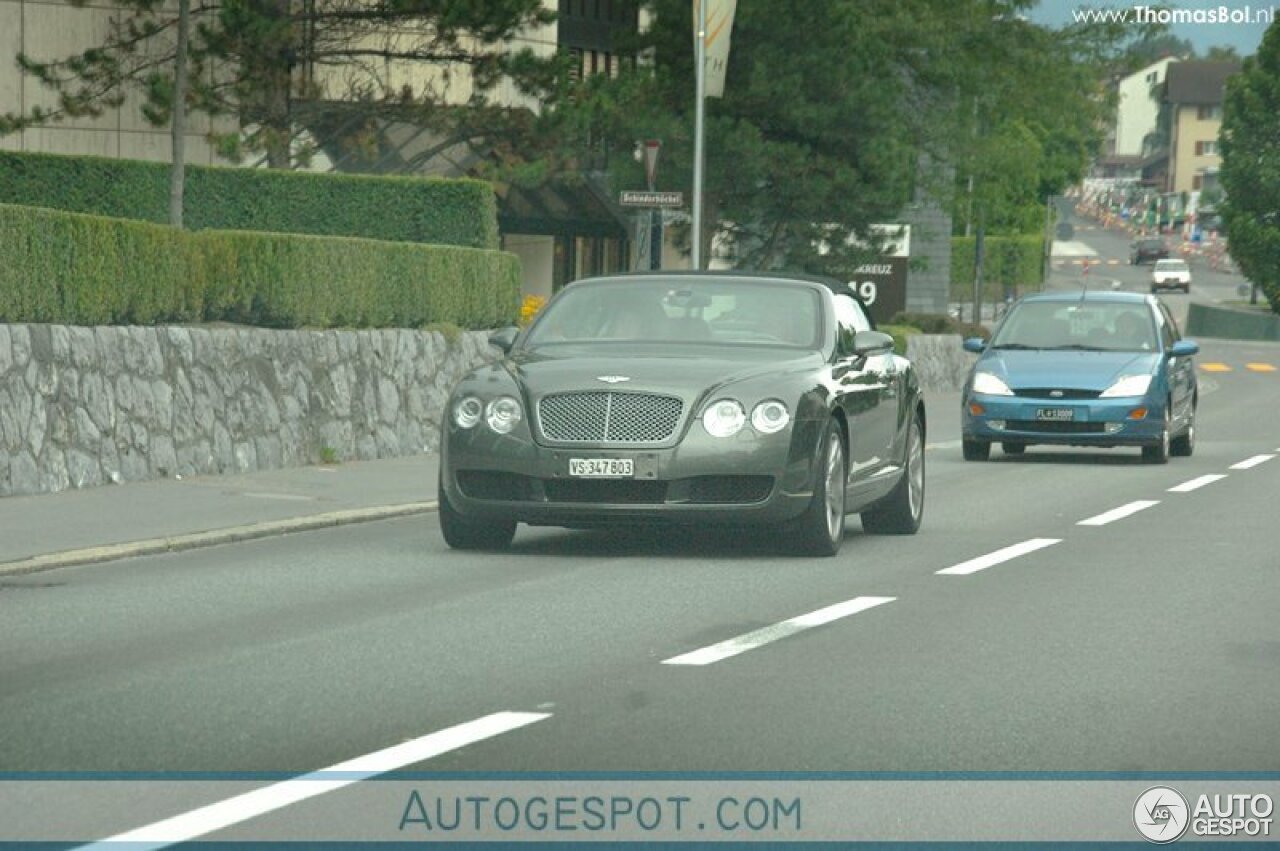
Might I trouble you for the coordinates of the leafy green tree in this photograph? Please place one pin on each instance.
(251, 60)
(1037, 103)
(1155, 44)
(1250, 172)
(1223, 53)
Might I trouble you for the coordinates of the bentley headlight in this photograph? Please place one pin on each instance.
(770, 416)
(990, 385)
(467, 412)
(1130, 385)
(502, 414)
(724, 418)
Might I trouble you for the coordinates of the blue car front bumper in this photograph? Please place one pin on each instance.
(1125, 421)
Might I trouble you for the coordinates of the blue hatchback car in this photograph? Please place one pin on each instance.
(1096, 369)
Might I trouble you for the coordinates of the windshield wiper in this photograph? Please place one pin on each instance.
(1081, 347)
(1018, 346)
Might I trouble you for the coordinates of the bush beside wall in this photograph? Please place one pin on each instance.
(92, 270)
(1011, 263)
(397, 209)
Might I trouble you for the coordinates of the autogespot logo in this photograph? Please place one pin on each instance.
(1161, 814)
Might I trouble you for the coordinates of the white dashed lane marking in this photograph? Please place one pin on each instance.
(1119, 513)
(973, 565)
(1187, 487)
(215, 817)
(770, 634)
(1252, 462)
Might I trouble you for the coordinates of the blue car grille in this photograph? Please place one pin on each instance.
(1056, 427)
(1056, 393)
(602, 416)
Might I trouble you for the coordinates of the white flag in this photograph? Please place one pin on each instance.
(719, 25)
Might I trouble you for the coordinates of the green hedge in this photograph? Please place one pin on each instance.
(397, 209)
(91, 270)
(939, 323)
(1015, 263)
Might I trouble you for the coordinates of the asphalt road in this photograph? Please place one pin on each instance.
(1106, 251)
(1148, 642)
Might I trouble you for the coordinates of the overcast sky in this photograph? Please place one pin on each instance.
(1244, 37)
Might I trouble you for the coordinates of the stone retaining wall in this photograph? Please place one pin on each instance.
(939, 361)
(85, 406)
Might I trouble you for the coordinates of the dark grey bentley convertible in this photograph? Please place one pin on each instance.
(705, 398)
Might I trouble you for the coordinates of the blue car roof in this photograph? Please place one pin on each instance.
(1089, 295)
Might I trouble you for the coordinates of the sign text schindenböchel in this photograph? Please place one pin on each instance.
(644, 198)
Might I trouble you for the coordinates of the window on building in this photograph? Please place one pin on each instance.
(1207, 149)
(1197, 183)
(1209, 112)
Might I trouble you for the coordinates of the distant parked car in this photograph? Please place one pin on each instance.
(1097, 369)
(1171, 274)
(700, 398)
(1147, 251)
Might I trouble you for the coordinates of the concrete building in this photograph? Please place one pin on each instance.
(1138, 109)
(1194, 94)
(51, 29)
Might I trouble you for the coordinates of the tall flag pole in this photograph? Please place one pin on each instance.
(700, 61)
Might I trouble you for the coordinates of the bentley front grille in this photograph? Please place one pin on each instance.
(603, 416)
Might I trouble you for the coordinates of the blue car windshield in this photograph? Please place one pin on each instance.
(681, 310)
(1084, 326)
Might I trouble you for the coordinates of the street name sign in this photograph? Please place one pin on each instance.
(648, 198)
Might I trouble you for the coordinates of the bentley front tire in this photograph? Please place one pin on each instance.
(821, 528)
(461, 533)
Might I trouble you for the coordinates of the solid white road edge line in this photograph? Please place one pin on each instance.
(769, 634)
(1251, 462)
(1187, 487)
(973, 565)
(1118, 513)
(215, 817)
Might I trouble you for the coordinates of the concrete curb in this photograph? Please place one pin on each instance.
(196, 540)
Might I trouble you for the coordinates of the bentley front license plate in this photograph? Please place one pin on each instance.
(602, 468)
(1056, 414)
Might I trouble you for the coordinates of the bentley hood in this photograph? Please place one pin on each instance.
(688, 372)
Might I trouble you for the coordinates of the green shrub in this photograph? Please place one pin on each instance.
(939, 323)
(396, 209)
(90, 270)
(1011, 264)
(900, 333)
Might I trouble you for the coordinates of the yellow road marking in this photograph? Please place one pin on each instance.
(1113, 262)
(1215, 367)
(1260, 367)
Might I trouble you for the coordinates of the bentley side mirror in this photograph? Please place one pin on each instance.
(977, 345)
(871, 343)
(1184, 349)
(504, 338)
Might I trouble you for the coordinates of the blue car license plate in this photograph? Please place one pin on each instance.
(1056, 415)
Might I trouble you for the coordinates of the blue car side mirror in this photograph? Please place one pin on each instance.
(1184, 349)
(977, 345)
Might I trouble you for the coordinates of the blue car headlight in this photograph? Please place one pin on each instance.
(990, 385)
(1129, 385)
